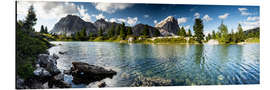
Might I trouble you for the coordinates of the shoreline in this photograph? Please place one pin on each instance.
(241, 43)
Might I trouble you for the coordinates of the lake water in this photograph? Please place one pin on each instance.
(182, 64)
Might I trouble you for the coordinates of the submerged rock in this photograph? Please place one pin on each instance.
(220, 77)
(62, 52)
(55, 56)
(58, 81)
(41, 72)
(141, 81)
(102, 84)
(85, 73)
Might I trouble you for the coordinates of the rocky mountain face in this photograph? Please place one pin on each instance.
(138, 29)
(71, 24)
(254, 30)
(104, 25)
(168, 26)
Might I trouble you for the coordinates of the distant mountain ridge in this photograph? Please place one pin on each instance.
(254, 30)
(71, 24)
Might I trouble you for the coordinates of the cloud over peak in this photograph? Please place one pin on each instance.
(224, 16)
(255, 18)
(111, 7)
(197, 15)
(181, 20)
(207, 18)
(243, 11)
(83, 13)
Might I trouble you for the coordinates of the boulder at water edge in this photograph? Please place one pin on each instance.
(85, 73)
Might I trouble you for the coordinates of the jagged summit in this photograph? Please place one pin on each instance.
(168, 26)
(71, 24)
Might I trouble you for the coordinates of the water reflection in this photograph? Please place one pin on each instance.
(182, 64)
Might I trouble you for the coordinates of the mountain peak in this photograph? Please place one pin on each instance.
(170, 18)
(72, 16)
(70, 24)
(169, 26)
(101, 20)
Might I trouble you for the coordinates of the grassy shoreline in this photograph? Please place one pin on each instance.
(248, 41)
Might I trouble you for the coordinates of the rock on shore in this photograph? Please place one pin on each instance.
(46, 75)
(85, 73)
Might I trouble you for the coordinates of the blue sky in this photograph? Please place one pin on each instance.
(49, 13)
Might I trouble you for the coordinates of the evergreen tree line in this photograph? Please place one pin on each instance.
(115, 32)
(198, 31)
(122, 32)
(224, 36)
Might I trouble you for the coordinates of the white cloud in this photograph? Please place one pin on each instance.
(45, 9)
(48, 13)
(244, 12)
(181, 20)
(132, 21)
(112, 20)
(187, 27)
(83, 13)
(155, 21)
(207, 32)
(129, 20)
(146, 16)
(99, 16)
(224, 16)
(197, 15)
(120, 20)
(111, 7)
(252, 22)
(250, 25)
(255, 18)
(242, 9)
(207, 18)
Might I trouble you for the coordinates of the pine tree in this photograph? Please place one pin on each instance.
(182, 32)
(100, 32)
(232, 36)
(240, 34)
(77, 36)
(123, 32)
(208, 37)
(83, 35)
(213, 34)
(224, 33)
(198, 29)
(145, 31)
(111, 32)
(91, 36)
(189, 33)
(30, 20)
(46, 30)
(117, 30)
(129, 31)
(156, 33)
(42, 30)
